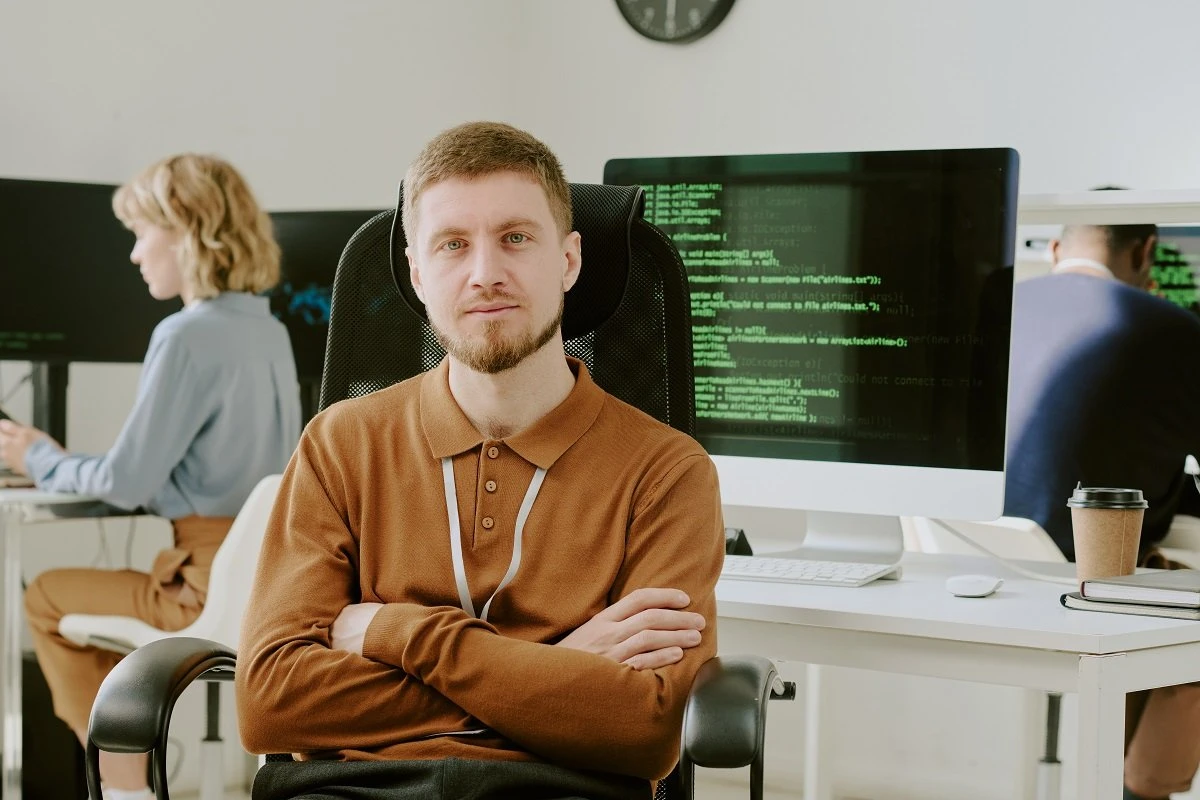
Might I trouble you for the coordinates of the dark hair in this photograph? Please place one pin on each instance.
(1117, 237)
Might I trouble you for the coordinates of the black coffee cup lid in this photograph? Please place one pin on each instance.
(1103, 497)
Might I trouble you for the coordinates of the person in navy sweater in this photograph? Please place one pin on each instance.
(1103, 392)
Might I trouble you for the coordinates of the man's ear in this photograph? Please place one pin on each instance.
(1141, 259)
(1053, 250)
(414, 274)
(1143, 255)
(573, 253)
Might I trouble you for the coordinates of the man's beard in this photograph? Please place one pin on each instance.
(492, 354)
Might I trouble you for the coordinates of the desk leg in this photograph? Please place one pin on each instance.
(818, 736)
(10, 650)
(1101, 729)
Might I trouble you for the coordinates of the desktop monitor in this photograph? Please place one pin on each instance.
(1176, 266)
(851, 316)
(68, 291)
(311, 243)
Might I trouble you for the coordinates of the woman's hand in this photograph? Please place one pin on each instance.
(15, 440)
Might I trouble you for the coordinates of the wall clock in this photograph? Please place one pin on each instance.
(674, 21)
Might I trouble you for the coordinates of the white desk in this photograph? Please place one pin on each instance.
(1020, 636)
(16, 504)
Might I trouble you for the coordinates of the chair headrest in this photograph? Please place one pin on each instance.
(603, 215)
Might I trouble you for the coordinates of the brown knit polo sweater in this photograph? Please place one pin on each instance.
(361, 517)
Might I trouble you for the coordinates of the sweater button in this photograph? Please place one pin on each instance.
(488, 522)
(490, 486)
(493, 451)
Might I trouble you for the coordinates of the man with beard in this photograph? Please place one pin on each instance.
(493, 579)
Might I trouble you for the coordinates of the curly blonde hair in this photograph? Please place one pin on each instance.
(228, 243)
(476, 149)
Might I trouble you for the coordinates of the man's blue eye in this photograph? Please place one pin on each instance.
(516, 238)
(454, 244)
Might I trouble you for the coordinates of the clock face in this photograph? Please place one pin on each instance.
(674, 21)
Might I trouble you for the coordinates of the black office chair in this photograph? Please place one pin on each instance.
(628, 319)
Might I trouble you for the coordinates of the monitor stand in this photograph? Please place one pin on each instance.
(50, 399)
(838, 536)
(827, 535)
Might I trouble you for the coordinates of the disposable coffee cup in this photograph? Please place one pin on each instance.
(1106, 525)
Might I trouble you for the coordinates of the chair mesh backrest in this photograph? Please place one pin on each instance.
(627, 318)
(639, 351)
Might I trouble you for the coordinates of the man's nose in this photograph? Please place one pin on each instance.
(487, 267)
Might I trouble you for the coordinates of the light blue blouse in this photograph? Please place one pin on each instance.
(217, 409)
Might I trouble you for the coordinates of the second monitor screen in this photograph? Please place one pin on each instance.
(1175, 275)
(845, 307)
(311, 243)
(68, 292)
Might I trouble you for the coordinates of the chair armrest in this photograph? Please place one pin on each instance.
(724, 722)
(133, 708)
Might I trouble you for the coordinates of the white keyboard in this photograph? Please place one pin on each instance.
(794, 570)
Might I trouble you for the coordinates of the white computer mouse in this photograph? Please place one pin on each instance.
(972, 585)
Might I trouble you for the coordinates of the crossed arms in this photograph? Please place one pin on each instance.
(323, 671)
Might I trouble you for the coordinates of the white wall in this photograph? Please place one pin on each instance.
(322, 104)
(1089, 91)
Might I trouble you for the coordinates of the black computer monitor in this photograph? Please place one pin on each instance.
(312, 242)
(68, 291)
(850, 318)
(1176, 266)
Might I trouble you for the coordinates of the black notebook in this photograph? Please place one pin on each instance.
(1168, 587)
(1073, 600)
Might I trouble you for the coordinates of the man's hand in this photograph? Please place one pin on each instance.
(644, 629)
(350, 627)
(15, 440)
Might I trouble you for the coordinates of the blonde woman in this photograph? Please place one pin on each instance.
(217, 409)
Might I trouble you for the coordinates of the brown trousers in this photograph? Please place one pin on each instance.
(1162, 729)
(169, 597)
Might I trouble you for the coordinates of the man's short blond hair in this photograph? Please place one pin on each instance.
(477, 149)
(228, 243)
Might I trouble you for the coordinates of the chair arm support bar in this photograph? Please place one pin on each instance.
(724, 723)
(133, 708)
